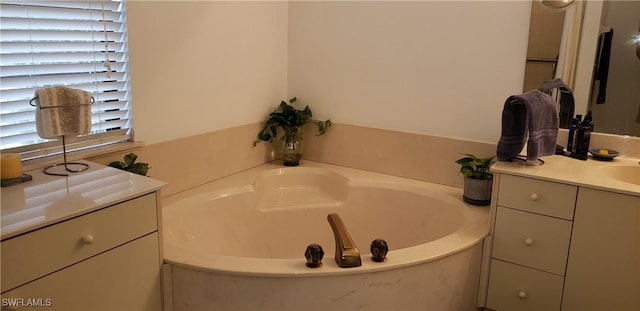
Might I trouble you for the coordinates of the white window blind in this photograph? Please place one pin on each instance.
(77, 44)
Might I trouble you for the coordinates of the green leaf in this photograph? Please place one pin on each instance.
(323, 126)
(474, 167)
(286, 108)
(302, 116)
(466, 171)
(465, 161)
(130, 158)
(139, 168)
(130, 165)
(264, 136)
(118, 164)
(274, 131)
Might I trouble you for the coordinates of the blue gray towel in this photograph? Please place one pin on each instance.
(530, 117)
(549, 85)
(567, 103)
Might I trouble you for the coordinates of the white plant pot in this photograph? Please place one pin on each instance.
(477, 191)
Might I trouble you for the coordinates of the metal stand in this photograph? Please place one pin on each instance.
(521, 160)
(83, 166)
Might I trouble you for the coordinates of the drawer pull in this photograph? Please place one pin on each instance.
(87, 238)
(534, 197)
(522, 294)
(528, 241)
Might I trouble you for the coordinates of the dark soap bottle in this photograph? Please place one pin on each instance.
(583, 134)
(571, 144)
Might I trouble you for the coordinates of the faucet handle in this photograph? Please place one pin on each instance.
(379, 250)
(314, 254)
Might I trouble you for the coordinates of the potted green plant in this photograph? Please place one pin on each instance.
(478, 180)
(290, 120)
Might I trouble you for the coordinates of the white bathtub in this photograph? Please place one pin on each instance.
(239, 243)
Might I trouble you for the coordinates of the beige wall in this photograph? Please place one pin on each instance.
(434, 67)
(396, 77)
(441, 68)
(200, 66)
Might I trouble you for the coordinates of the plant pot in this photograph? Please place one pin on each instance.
(292, 150)
(477, 191)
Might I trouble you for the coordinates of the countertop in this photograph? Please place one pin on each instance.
(50, 199)
(567, 170)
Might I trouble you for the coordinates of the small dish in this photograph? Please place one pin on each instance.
(604, 154)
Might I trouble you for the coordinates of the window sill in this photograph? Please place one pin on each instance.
(40, 163)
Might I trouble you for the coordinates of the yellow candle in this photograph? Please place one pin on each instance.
(11, 166)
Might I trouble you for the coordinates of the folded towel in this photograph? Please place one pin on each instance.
(567, 102)
(531, 114)
(62, 111)
(514, 129)
(549, 85)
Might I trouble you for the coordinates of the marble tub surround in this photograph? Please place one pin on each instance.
(195, 160)
(192, 161)
(397, 289)
(409, 155)
(238, 243)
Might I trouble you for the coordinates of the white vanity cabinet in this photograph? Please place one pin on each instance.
(563, 237)
(103, 255)
(603, 271)
(531, 236)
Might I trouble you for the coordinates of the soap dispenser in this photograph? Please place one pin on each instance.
(571, 144)
(583, 134)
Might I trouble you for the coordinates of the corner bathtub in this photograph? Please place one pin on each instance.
(238, 243)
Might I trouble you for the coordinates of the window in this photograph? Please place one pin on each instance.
(78, 44)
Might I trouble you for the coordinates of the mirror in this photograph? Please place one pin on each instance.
(573, 41)
(543, 51)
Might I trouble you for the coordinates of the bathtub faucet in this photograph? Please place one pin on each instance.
(347, 253)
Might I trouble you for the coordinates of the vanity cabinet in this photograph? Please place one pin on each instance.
(107, 259)
(559, 246)
(104, 257)
(603, 271)
(531, 236)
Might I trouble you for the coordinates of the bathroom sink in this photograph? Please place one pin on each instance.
(626, 173)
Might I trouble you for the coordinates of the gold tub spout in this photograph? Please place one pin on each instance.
(347, 253)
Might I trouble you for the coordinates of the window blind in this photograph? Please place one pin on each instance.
(77, 44)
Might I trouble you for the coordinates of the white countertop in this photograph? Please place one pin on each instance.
(50, 199)
(567, 170)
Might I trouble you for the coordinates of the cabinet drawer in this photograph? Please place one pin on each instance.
(532, 240)
(32, 255)
(542, 197)
(124, 278)
(513, 287)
